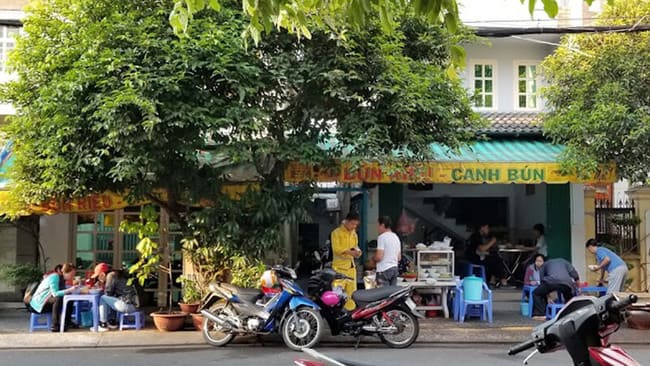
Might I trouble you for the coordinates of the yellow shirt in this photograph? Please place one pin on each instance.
(342, 240)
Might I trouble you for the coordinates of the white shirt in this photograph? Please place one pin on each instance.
(388, 242)
(541, 246)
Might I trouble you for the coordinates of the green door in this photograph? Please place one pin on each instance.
(558, 220)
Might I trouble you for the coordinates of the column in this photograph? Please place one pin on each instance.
(590, 232)
(641, 197)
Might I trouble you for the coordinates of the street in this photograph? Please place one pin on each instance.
(278, 356)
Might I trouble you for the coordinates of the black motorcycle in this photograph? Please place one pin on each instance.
(385, 312)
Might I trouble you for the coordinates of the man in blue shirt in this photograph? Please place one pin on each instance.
(557, 275)
(610, 262)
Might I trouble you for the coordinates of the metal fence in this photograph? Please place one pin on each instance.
(617, 225)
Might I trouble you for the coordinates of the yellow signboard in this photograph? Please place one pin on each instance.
(442, 172)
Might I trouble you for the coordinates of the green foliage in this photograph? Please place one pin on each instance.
(300, 16)
(191, 292)
(599, 96)
(109, 98)
(246, 272)
(21, 274)
(152, 256)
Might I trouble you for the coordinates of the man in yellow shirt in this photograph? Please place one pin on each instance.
(345, 248)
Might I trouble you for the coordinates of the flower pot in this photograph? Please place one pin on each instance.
(197, 320)
(189, 308)
(169, 322)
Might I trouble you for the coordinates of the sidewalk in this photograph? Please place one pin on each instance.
(508, 327)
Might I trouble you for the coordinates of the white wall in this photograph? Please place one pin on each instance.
(524, 211)
(504, 52)
(56, 239)
(578, 239)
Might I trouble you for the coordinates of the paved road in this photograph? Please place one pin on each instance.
(237, 355)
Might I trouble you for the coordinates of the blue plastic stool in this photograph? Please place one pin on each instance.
(471, 270)
(78, 308)
(137, 322)
(35, 321)
(552, 309)
(527, 296)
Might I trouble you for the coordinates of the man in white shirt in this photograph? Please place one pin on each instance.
(388, 255)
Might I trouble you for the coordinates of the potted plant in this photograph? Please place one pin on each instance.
(152, 260)
(20, 274)
(191, 294)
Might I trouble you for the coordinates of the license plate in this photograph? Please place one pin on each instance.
(410, 303)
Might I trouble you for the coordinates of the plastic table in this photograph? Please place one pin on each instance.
(92, 298)
(439, 288)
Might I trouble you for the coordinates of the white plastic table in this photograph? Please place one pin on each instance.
(439, 288)
(94, 300)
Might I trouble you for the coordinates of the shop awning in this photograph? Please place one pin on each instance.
(493, 161)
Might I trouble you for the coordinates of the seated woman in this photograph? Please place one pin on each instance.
(48, 297)
(481, 250)
(119, 296)
(531, 278)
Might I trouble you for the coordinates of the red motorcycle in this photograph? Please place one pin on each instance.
(385, 312)
(583, 327)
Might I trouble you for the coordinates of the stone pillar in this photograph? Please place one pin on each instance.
(590, 232)
(641, 198)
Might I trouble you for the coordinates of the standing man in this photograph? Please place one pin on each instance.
(389, 253)
(610, 262)
(344, 250)
(556, 274)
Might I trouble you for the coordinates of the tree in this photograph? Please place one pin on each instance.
(299, 16)
(599, 96)
(108, 98)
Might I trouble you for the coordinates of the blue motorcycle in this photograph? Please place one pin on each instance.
(229, 311)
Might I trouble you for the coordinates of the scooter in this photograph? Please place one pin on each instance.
(385, 312)
(230, 311)
(583, 327)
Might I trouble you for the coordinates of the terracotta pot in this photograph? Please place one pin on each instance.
(169, 322)
(189, 308)
(638, 318)
(197, 320)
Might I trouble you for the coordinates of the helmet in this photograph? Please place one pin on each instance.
(269, 279)
(330, 298)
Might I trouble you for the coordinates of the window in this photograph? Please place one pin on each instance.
(7, 43)
(483, 84)
(527, 86)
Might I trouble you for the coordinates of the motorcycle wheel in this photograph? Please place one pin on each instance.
(405, 322)
(306, 333)
(212, 332)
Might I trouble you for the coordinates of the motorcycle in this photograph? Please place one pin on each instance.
(385, 312)
(583, 327)
(230, 311)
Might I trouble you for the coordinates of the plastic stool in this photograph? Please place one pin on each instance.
(527, 296)
(471, 268)
(137, 323)
(552, 309)
(78, 308)
(35, 321)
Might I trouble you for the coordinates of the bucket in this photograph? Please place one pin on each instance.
(524, 308)
(86, 319)
(473, 288)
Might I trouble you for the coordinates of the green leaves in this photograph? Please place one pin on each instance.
(550, 7)
(599, 97)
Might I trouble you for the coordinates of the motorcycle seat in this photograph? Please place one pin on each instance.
(246, 294)
(365, 296)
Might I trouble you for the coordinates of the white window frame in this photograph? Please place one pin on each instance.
(473, 78)
(538, 84)
(5, 39)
